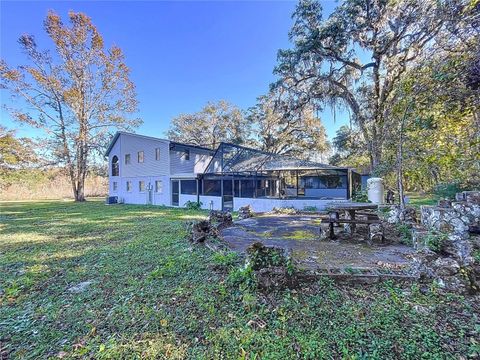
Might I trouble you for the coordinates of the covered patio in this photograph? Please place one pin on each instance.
(242, 176)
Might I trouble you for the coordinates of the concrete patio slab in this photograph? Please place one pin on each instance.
(300, 235)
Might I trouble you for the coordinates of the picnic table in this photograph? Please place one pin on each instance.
(351, 210)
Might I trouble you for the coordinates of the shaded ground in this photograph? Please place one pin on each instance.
(300, 234)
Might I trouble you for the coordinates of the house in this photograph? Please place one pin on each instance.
(148, 170)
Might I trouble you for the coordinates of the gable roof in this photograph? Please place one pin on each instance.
(118, 133)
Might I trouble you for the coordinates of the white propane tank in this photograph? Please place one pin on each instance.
(375, 190)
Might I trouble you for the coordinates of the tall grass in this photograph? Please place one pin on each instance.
(57, 186)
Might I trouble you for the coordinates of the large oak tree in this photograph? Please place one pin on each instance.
(77, 94)
(216, 122)
(356, 57)
(300, 134)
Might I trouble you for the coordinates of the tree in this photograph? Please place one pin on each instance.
(326, 63)
(215, 123)
(77, 97)
(297, 134)
(15, 152)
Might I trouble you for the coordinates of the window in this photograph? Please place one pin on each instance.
(114, 186)
(188, 187)
(141, 186)
(158, 186)
(212, 187)
(129, 186)
(115, 166)
(186, 155)
(157, 154)
(140, 156)
(127, 159)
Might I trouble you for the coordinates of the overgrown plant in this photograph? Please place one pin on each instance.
(193, 205)
(435, 241)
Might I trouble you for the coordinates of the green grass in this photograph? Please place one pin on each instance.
(422, 199)
(155, 295)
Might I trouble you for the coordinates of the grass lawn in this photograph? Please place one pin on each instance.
(154, 295)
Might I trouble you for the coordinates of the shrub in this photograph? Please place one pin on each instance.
(193, 205)
(405, 232)
(310, 208)
(435, 241)
(360, 196)
(447, 190)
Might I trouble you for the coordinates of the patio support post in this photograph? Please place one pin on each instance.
(296, 176)
(348, 184)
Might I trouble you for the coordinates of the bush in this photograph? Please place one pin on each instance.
(447, 190)
(405, 232)
(360, 196)
(193, 205)
(435, 241)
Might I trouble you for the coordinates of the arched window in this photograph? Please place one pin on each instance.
(115, 167)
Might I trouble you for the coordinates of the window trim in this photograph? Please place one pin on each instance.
(158, 187)
(139, 187)
(129, 157)
(115, 166)
(143, 156)
(186, 155)
(157, 154)
(129, 186)
(114, 186)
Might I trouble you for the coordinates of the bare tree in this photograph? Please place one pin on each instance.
(77, 95)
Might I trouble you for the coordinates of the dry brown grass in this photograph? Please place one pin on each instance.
(57, 188)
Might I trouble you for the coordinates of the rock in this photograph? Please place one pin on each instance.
(419, 235)
(80, 287)
(397, 215)
(324, 230)
(444, 203)
(446, 266)
(245, 212)
(375, 232)
(472, 197)
(475, 241)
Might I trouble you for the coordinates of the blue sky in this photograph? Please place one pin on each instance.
(181, 54)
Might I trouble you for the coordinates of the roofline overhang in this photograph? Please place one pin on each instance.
(118, 133)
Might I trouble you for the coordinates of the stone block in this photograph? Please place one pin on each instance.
(446, 266)
(375, 232)
(419, 238)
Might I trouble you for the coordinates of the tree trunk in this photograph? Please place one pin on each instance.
(401, 193)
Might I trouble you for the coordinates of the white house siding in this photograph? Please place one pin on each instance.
(211, 202)
(258, 205)
(263, 205)
(198, 162)
(115, 151)
(148, 171)
(150, 167)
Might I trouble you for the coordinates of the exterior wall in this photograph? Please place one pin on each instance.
(263, 205)
(111, 179)
(214, 201)
(132, 145)
(198, 162)
(149, 171)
